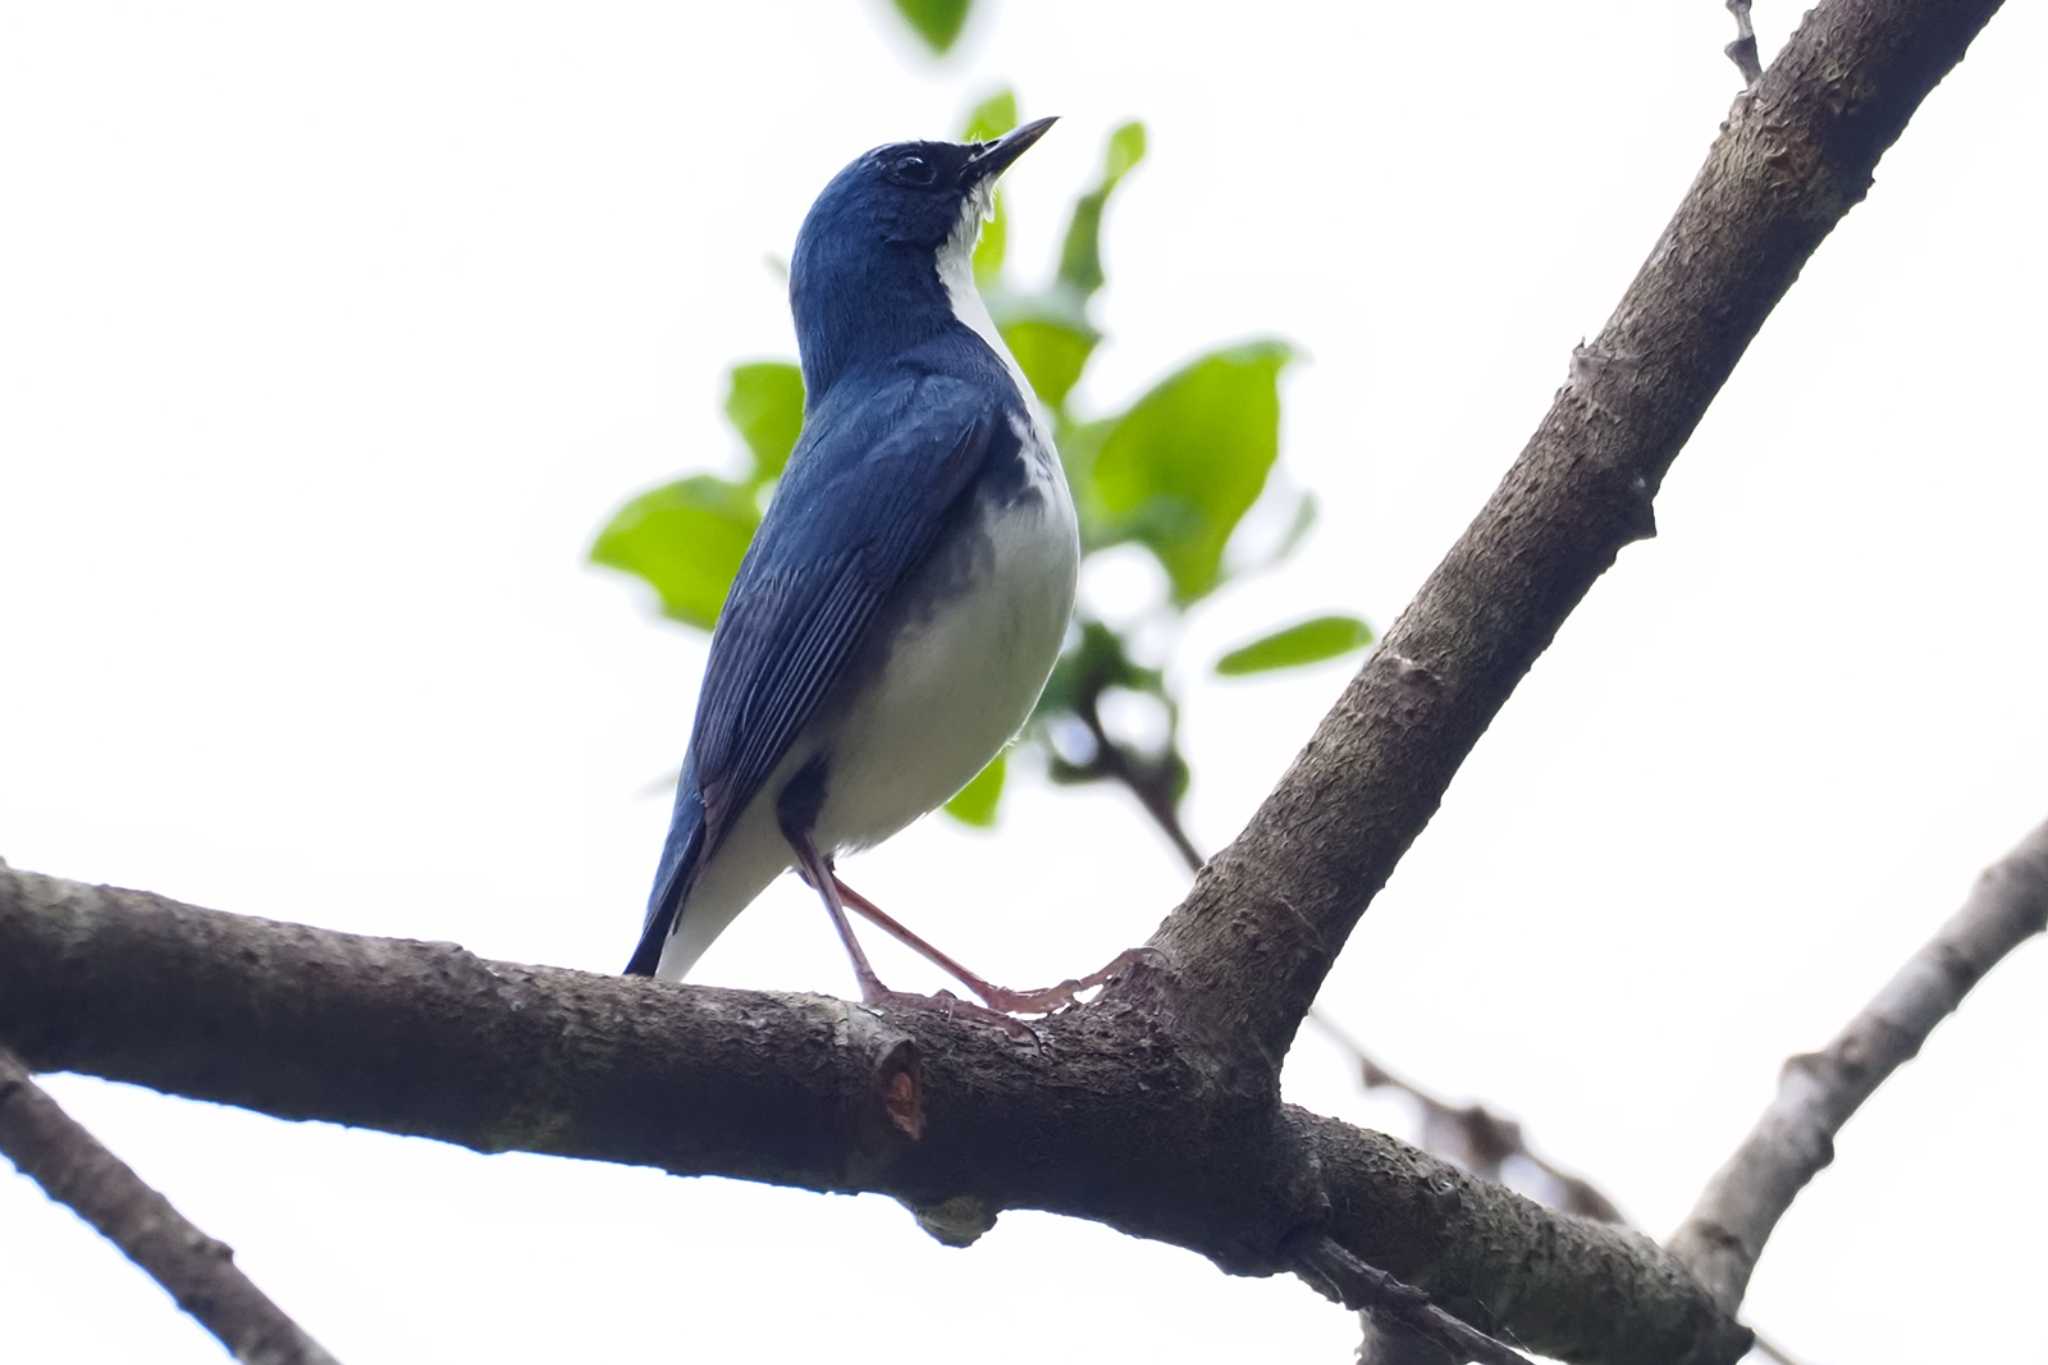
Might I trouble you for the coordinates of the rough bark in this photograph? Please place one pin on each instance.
(1111, 1117)
(1255, 939)
(54, 1150)
(1819, 1091)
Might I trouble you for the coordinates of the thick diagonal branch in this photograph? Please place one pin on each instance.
(1818, 1091)
(1111, 1119)
(54, 1150)
(1269, 913)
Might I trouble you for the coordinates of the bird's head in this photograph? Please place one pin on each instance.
(913, 195)
(888, 235)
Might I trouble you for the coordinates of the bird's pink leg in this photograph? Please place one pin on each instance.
(817, 870)
(1010, 1002)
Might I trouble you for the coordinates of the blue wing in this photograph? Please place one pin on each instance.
(877, 476)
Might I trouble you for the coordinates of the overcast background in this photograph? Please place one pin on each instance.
(329, 335)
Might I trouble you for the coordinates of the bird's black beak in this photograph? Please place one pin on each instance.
(993, 158)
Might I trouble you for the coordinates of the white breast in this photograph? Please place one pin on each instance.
(956, 273)
(962, 679)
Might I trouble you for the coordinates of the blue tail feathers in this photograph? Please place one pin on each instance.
(679, 859)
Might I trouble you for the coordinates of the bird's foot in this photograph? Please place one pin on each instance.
(950, 1005)
(1068, 992)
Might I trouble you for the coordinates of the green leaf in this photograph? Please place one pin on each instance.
(1081, 252)
(1080, 443)
(765, 404)
(1306, 642)
(1126, 149)
(991, 118)
(1177, 472)
(686, 540)
(975, 804)
(1052, 353)
(938, 22)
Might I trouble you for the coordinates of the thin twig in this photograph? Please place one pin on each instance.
(1818, 1091)
(1152, 783)
(1742, 51)
(1472, 1135)
(1330, 1267)
(54, 1150)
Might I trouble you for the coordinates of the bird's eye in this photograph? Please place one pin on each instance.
(912, 170)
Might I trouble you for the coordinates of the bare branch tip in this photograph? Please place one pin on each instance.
(199, 1272)
(1794, 1139)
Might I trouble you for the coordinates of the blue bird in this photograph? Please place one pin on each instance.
(903, 602)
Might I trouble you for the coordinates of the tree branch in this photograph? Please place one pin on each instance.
(1267, 916)
(1112, 1118)
(54, 1150)
(1150, 784)
(1818, 1091)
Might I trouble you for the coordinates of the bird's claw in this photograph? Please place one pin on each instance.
(951, 1005)
(1068, 992)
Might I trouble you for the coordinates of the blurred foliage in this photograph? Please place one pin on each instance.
(938, 22)
(975, 803)
(1182, 467)
(1172, 473)
(685, 538)
(1308, 642)
(765, 404)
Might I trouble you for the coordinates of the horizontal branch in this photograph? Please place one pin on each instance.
(1109, 1119)
(54, 1150)
(1818, 1091)
(1267, 916)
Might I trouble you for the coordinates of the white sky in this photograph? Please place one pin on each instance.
(328, 336)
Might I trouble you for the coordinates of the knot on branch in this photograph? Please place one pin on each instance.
(884, 1094)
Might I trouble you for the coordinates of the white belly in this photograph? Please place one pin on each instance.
(958, 683)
